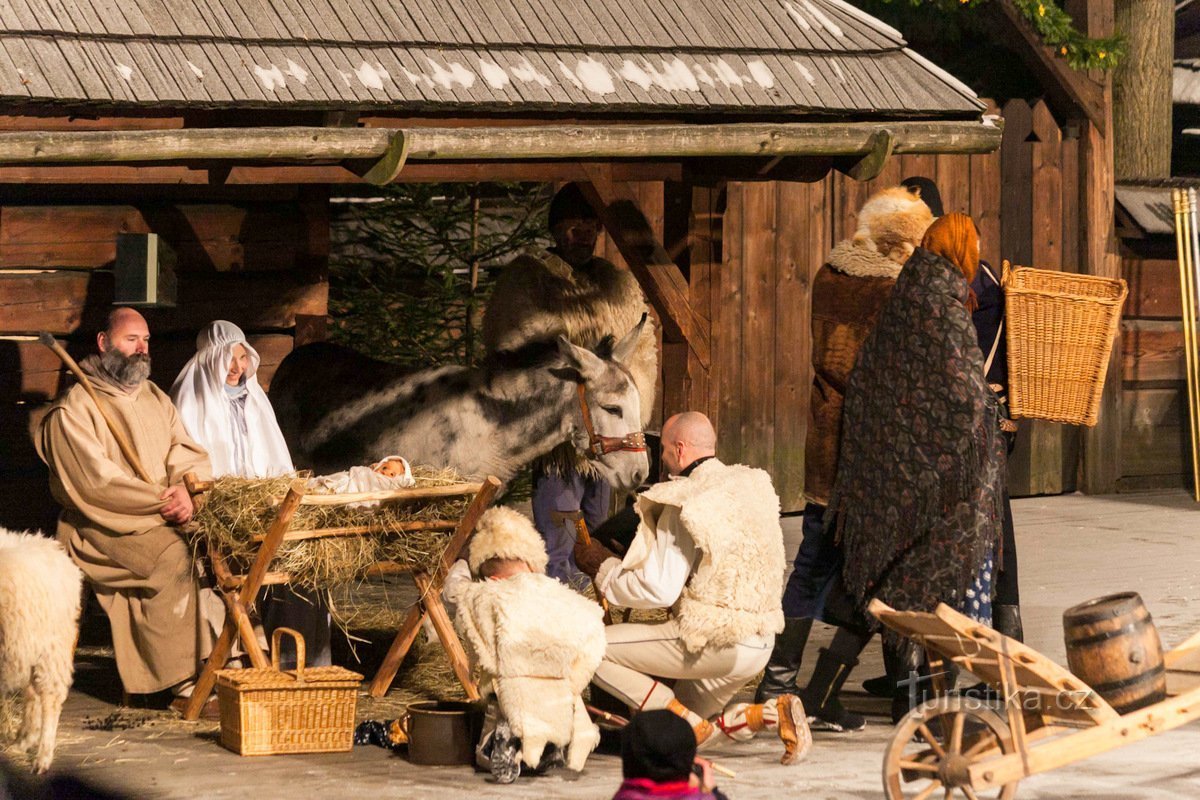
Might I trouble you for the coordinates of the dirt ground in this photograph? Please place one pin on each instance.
(1072, 548)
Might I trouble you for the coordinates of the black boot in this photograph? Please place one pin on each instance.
(820, 697)
(883, 686)
(903, 662)
(780, 675)
(1007, 620)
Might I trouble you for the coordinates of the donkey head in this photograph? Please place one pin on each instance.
(610, 399)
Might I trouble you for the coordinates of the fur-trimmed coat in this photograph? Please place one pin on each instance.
(539, 297)
(848, 294)
(537, 644)
(731, 513)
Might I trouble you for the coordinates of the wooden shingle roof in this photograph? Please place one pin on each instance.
(753, 57)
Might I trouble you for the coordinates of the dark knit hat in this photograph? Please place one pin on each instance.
(927, 190)
(657, 745)
(569, 203)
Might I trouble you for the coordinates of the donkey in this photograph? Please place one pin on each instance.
(338, 408)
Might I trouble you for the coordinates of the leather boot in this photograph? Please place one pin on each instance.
(903, 663)
(779, 677)
(820, 697)
(1007, 620)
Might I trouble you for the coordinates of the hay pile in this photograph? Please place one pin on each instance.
(236, 510)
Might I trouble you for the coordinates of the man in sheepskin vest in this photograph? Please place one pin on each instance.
(536, 643)
(568, 291)
(709, 548)
(848, 294)
(121, 531)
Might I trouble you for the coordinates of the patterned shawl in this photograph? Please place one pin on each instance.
(920, 477)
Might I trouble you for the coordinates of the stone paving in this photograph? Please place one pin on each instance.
(1072, 548)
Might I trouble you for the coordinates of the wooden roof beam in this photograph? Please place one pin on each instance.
(1071, 90)
(577, 142)
(666, 288)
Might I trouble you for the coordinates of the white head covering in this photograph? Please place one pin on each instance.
(205, 407)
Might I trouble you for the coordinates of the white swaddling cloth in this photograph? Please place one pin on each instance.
(365, 479)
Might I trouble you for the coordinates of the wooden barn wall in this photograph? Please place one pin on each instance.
(755, 250)
(255, 257)
(1155, 451)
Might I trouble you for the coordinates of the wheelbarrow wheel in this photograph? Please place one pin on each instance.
(935, 745)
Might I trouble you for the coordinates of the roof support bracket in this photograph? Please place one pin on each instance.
(384, 170)
(869, 166)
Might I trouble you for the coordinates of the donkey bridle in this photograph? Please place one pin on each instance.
(603, 445)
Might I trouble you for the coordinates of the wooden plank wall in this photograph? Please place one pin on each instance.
(1155, 451)
(255, 257)
(754, 277)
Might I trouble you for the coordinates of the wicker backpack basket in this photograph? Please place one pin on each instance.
(269, 711)
(1061, 328)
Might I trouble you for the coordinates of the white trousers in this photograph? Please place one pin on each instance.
(638, 656)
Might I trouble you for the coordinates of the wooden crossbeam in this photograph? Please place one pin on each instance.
(660, 277)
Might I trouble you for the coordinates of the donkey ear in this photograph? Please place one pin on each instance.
(584, 361)
(623, 350)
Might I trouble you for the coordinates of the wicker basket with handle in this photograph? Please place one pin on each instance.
(271, 711)
(1061, 328)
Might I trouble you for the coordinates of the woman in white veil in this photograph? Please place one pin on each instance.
(225, 409)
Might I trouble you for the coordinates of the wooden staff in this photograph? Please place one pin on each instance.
(1184, 234)
(122, 442)
(581, 531)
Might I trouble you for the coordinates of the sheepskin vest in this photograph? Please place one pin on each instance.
(731, 514)
(537, 644)
(848, 295)
(539, 297)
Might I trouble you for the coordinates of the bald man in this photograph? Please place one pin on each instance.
(709, 548)
(121, 530)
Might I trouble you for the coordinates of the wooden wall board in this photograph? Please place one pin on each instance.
(1154, 433)
(63, 302)
(209, 237)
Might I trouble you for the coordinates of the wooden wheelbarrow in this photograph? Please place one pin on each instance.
(954, 746)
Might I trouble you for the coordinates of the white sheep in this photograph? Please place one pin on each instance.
(40, 595)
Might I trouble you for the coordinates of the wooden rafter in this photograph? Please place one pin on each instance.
(663, 282)
(1069, 89)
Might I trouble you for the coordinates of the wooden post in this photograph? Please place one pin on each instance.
(1101, 465)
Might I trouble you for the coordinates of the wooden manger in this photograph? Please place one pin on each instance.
(239, 587)
(1047, 717)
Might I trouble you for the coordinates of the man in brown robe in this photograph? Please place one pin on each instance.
(121, 530)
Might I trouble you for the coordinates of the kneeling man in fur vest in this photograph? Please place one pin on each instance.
(568, 291)
(709, 548)
(536, 644)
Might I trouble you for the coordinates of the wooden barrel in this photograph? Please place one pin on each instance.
(1113, 647)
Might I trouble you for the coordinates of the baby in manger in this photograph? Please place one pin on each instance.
(392, 472)
(536, 643)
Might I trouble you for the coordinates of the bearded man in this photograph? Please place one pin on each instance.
(119, 529)
(568, 291)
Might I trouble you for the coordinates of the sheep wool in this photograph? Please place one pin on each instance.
(537, 644)
(40, 598)
(732, 514)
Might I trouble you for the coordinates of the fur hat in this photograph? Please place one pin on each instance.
(505, 533)
(892, 223)
(926, 190)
